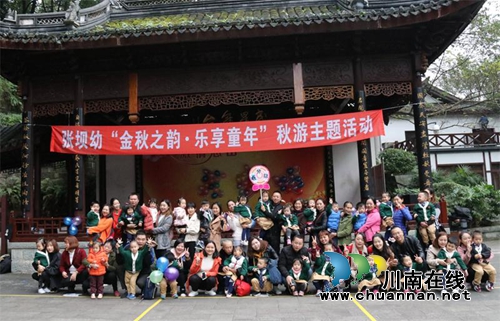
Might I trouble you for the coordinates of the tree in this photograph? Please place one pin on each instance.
(10, 103)
(40, 6)
(470, 67)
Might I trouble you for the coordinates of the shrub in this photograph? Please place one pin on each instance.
(398, 161)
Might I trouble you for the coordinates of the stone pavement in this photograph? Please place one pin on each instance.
(20, 301)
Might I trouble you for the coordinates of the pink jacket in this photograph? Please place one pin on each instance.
(372, 225)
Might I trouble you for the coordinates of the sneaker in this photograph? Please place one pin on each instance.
(92, 296)
(264, 295)
(229, 295)
(41, 291)
(301, 293)
(99, 296)
(489, 286)
(318, 292)
(477, 287)
(193, 293)
(468, 286)
(163, 296)
(175, 296)
(211, 293)
(183, 295)
(131, 297)
(47, 290)
(277, 291)
(117, 293)
(257, 294)
(124, 295)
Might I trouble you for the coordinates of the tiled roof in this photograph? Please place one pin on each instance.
(217, 21)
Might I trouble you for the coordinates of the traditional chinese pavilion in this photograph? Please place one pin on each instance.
(166, 62)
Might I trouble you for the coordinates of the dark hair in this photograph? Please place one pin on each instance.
(359, 205)
(425, 193)
(42, 240)
(167, 201)
(265, 260)
(386, 250)
(265, 192)
(126, 208)
(190, 205)
(435, 243)
(362, 234)
(218, 205)
(132, 194)
(179, 200)
(288, 205)
(299, 237)
(461, 234)
(476, 233)
(109, 206)
(300, 200)
(55, 245)
(205, 202)
(399, 195)
(372, 199)
(216, 253)
(321, 199)
(386, 193)
(93, 203)
(346, 202)
(242, 197)
(152, 200)
(140, 232)
(178, 241)
(112, 200)
(298, 260)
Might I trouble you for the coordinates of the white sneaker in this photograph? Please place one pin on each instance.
(211, 293)
(193, 293)
(277, 291)
(183, 295)
(41, 291)
(47, 290)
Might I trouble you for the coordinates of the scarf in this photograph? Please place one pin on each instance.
(296, 273)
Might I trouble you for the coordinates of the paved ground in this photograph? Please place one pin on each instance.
(20, 301)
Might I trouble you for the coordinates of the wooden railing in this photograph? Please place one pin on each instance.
(465, 140)
(25, 230)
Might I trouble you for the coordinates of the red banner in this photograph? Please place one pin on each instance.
(219, 137)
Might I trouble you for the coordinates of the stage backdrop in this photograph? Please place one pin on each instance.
(220, 177)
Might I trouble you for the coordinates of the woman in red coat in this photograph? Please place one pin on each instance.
(72, 268)
(116, 212)
(203, 271)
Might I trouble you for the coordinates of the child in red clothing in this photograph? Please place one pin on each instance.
(97, 259)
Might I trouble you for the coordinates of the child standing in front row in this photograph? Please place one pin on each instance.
(133, 258)
(180, 217)
(480, 256)
(41, 258)
(261, 282)
(245, 218)
(290, 223)
(97, 259)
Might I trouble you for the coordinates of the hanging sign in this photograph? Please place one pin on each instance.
(219, 137)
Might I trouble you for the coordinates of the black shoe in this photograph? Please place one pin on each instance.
(124, 295)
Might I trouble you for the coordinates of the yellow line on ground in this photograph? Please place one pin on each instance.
(363, 309)
(147, 310)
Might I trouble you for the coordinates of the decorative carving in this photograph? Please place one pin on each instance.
(389, 69)
(388, 89)
(329, 93)
(72, 15)
(52, 88)
(242, 98)
(327, 74)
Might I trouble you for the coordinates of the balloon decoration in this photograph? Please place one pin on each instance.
(162, 264)
(291, 181)
(76, 221)
(171, 274)
(211, 183)
(67, 221)
(243, 183)
(156, 276)
(73, 230)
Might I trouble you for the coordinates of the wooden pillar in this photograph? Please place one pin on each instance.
(133, 100)
(27, 189)
(298, 89)
(421, 134)
(364, 153)
(78, 163)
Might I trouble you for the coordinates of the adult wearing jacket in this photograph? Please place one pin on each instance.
(273, 235)
(204, 270)
(373, 220)
(179, 258)
(320, 223)
(163, 229)
(50, 274)
(289, 254)
(72, 269)
(259, 249)
(406, 245)
(401, 214)
(110, 277)
(105, 226)
(147, 260)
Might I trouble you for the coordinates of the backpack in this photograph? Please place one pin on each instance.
(149, 291)
(5, 264)
(242, 288)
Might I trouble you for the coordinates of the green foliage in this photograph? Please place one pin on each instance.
(10, 185)
(54, 194)
(10, 102)
(10, 119)
(398, 161)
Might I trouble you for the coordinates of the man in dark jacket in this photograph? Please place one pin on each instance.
(406, 245)
(289, 254)
(148, 259)
(273, 235)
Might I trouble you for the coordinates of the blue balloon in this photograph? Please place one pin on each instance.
(73, 230)
(342, 267)
(67, 221)
(162, 264)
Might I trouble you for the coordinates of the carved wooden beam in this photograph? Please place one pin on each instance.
(133, 101)
(298, 88)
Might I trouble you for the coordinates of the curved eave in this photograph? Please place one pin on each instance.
(123, 38)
